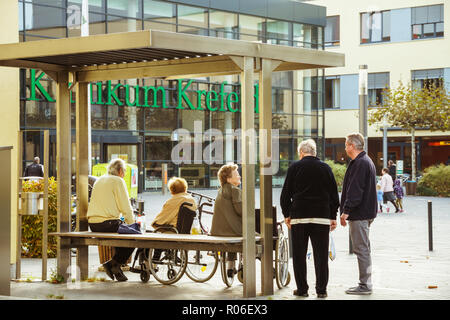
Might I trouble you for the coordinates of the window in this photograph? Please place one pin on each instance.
(159, 16)
(332, 90)
(425, 78)
(332, 31)
(278, 32)
(375, 26)
(427, 22)
(223, 24)
(251, 28)
(192, 20)
(377, 82)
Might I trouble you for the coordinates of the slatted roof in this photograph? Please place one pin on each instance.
(151, 48)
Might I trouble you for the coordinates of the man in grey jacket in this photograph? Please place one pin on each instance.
(359, 207)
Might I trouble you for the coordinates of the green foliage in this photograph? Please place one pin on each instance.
(338, 171)
(32, 225)
(437, 179)
(410, 107)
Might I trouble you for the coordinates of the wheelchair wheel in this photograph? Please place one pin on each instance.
(227, 278)
(145, 276)
(282, 274)
(201, 265)
(170, 267)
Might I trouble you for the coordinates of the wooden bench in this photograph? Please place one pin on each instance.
(152, 240)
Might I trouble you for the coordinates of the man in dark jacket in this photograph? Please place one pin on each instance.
(359, 207)
(35, 169)
(309, 201)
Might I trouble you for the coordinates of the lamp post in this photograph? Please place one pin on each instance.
(363, 102)
(363, 92)
(385, 143)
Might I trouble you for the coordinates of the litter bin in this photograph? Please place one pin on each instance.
(411, 188)
(31, 203)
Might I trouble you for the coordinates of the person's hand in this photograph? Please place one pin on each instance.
(333, 225)
(288, 222)
(344, 217)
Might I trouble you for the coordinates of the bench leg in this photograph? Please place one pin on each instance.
(83, 262)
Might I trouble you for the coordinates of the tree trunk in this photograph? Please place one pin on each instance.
(413, 155)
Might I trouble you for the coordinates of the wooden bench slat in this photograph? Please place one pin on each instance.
(152, 237)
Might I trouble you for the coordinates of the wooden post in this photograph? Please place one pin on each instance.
(45, 205)
(248, 176)
(19, 213)
(265, 152)
(82, 171)
(63, 162)
(5, 216)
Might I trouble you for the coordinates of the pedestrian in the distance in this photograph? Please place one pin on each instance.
(359, 207)
(309, 201)
(398, 191)
(387, 186)
(380, 198)
(392, 170)
(35, 169)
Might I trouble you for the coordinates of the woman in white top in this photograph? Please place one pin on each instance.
(109, 199)
(387, 186)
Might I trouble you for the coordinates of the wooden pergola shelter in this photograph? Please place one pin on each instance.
(163, 54)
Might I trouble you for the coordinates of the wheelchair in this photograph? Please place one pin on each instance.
(166, 265)
(212, 259)
(281, 260)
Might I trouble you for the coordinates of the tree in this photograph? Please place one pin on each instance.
(411, 108)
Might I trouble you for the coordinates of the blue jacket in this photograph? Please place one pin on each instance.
(359, 191)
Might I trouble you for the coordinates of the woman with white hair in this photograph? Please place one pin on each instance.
(109, 199)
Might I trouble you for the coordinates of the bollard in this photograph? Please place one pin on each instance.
(430, 226)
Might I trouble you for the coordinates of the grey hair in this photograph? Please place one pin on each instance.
(357, 140)
(115, 165)
(308, 147)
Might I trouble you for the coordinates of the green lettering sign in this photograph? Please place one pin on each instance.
(182, 95)
(227, 101)
(35, 83)
(155, 96)
(112, 94)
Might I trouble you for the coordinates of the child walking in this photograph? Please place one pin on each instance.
(380, 198)
(398, 191)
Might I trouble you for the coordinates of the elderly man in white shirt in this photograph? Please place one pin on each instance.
(387, 186)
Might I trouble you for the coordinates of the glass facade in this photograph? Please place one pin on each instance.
(140, 117)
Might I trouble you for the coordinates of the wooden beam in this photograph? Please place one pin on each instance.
(210, 45)
(179, 70)
(63, 156)
(248, 176)
(45, 200)
(82, 170)
(265, 148)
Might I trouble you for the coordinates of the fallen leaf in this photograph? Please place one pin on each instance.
(404, 261)
(432, 287)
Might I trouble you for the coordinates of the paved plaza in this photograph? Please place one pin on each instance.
(403, 267)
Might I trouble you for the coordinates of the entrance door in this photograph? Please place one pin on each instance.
(130, 153)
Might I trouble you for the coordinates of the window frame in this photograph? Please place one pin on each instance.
(422, 25)
(382, 17)
(333, 42)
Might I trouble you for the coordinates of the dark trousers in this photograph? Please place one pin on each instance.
(319, 235)
(121, 255)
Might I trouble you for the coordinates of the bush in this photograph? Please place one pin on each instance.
(437, 179)
(425, 191)
(338, 171)
(32, 225)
